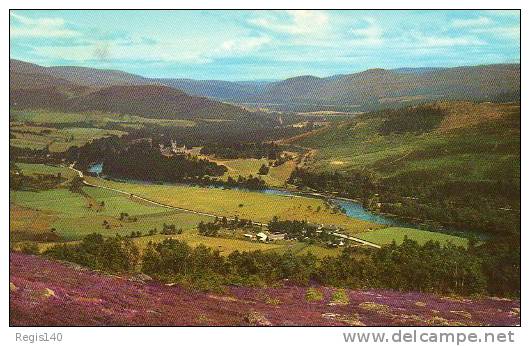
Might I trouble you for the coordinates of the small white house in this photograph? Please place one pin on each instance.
(261, 236)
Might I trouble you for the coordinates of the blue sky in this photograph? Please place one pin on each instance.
(244, 45)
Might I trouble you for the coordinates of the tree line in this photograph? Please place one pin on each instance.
(432, 267)
(235, 150)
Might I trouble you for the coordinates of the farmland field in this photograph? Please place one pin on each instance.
(276, 177)
(38, 168)
(68, 213)
(244, 204)
(387, 235)
(73, 216)
(57, 140)
(224, 245)
(95, 118)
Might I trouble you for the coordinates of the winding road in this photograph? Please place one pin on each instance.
(80, 174)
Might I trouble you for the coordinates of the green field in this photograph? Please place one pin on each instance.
(224, 245)
(57, 140)
(276, 177)
(73, 217)
(243, 204)
(387, 235)
(37, 129)
(38, 168)
(96, 118)
(299, 248)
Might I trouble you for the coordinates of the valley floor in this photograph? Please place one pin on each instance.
(46, 293)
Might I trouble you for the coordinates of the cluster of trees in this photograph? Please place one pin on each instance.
(490, 206)
(126, 217)
(211, 229)
(431, 267)
(170, 229)
(250, 182)
(175, 261)
(234, 150)
(358, 184)
(281, 160)
(131, 158)
(29, 155)
(141, 160)
(417, 119)
(38, 182)
(263, 170)
(113, 254)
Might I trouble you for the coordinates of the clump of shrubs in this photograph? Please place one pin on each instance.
(113, 254)
(314, 295)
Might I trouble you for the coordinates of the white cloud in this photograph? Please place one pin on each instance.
(40, 27)
(190, 50)
(422, 40)
(243, 45)
(471, 22)
(513, 32)
(372, 34)
(300, 22)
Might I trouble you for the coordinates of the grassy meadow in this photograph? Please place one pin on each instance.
(37, 129)
(277, 176)
(57, 140)
(74, 215)
(97, 119)
(398, 234)
(243, 204)
(39, 168)
(224, 245)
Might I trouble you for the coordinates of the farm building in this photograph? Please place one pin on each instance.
(248, 236)
(276, 236)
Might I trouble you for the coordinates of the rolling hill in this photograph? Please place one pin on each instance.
(217, 89)
(72, 89)
(76, 75)
(386, 87)
(368, 90)
(153, 101)
(24, 75)
(454, 162)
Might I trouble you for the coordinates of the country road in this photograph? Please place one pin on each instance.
(80, 174)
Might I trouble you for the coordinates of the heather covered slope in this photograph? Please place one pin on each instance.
(44, 292)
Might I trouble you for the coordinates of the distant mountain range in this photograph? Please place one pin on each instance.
(76, 89)
(370, 89)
